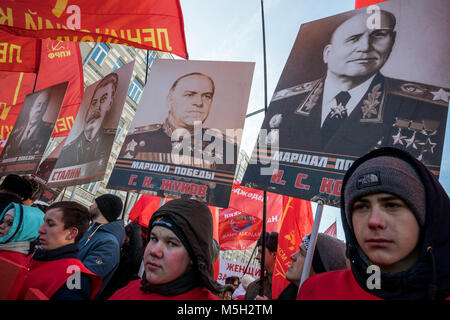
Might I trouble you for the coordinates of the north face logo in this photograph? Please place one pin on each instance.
(368, 180)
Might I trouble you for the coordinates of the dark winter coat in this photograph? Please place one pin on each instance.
(429, 278)
(100, 249)
(130, 262)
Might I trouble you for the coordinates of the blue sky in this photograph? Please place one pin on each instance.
(231, 30)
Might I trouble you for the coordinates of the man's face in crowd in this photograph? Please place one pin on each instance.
(356, 51)
(101, 103)
(165, 257)
(269, 259)
(227, 295)
(94, 211)
(52, 233)
(295, 269)
(386, 230)
(190, 101)
(39, 107)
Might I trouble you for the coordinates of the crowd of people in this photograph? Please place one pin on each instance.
(394, 213)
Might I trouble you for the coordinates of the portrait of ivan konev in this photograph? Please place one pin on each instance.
(182, 137)
(334, 96)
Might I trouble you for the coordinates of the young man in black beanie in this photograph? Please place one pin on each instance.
(269, 265)
(100, 246)
(395, 216)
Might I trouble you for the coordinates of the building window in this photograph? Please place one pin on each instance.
(151, 55)
(100, 52)
(135, 90)
(91, 187)
(119, 129)
(117, 65)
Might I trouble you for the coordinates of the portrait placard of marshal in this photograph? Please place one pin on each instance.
(190, 118)
(368, 78)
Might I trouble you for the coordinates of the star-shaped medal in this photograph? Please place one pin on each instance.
(398, 137)
(131, 146)
(338, 112)
(428, 145)
(441, 94)
(411, 141)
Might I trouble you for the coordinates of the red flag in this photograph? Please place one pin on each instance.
(332, 230)
(238, 230)
(250, 201)
(365, 3)
(19, 54)
(14, 86)
(144, 208)
(240, 224)
(297, 222)
(152, 24)
(215, 216)
(61, 62)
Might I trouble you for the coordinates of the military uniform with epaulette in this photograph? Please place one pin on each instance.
(154, 143)
(81, 150)
(398, 113)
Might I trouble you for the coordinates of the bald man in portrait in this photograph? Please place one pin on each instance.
(354, 108)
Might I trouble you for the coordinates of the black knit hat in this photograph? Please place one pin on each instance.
(110, 206)
(329, 253)
(194, 220)
(167, 222)
(386, 174)
(18, 185)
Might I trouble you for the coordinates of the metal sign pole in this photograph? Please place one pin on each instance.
(312, 244)
(263, 251)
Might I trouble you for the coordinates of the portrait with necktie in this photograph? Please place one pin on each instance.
(31, 136)
(353, 108)
(333, 102)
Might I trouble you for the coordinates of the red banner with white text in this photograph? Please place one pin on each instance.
(152, 24)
